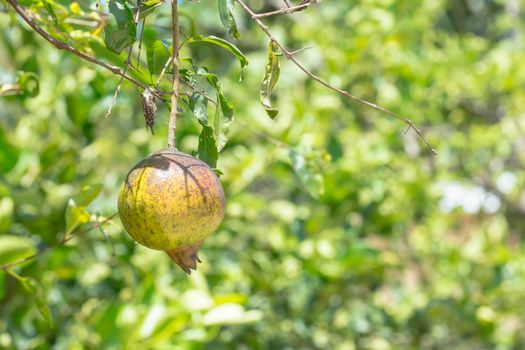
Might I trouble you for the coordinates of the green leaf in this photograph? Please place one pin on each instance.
(222, 124)
(2, 285)
(223, 112)
(76, 213)
(50, 10)
(191, 21)
(222, 43)
(208, 152)
(120, 31)
(223, 119)
(75, 216)
(271, 76)
(308, 171)
(227, 19)
(157, 55)
(37, 293)
(100, 50)
(187, 76)
(7, 206)
(199, 106)
(231, 314)
(13, 248)
(88, 194)
(217, 126)
(29, 83)
(26, 85)
(8, 154)
(225, 105)
(147, 7)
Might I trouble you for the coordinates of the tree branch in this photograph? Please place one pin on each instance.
(289, 56)
(56, 245)
(288, 10)
(172, 125)
(64, 46)
(126, 63)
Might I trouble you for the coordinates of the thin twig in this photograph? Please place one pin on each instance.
(10, 90)
(265, 136)
(57, 244)
(302, 49)
(288, 11)
(193, 88)
(64, 46)
(82, 22)
(203, 93)
(140, 42)
(117, 90)
(290, 57)
(172, 125)
(126, 63)
(163, 71)
(167, 64)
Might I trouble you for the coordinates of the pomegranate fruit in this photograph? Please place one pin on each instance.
(172, 201)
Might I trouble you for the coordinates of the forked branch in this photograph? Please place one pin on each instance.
(127, 63)
(57, 244)
(286, 10)
(64, 46)
(290, 56)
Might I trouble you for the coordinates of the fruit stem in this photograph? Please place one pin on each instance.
(172, 125)
(186, 257)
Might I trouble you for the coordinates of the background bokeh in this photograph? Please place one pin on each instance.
(341, 232)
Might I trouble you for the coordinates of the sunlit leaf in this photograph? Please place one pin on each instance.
(231, 314)
(37, 293)
(208, 152)
(157, 55)
(224, 110)
(217, 127)
(222, 121)
(75, 216)
(308, 172)
(88, 194)
(49, 7)
(29, 83)
(8, 153)
(6, 213)
(148, 7)
(75, 8)
(100, 50)
(76, 212)
(199, 107)
(225, 105)
(120, 31)
(222, 43)
(152, 2)
(2, 285)
(227, 19)
(271, 76)
(13, 248)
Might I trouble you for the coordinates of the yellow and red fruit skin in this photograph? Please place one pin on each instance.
(171, 200)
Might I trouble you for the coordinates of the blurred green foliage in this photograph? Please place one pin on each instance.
(341, 232)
